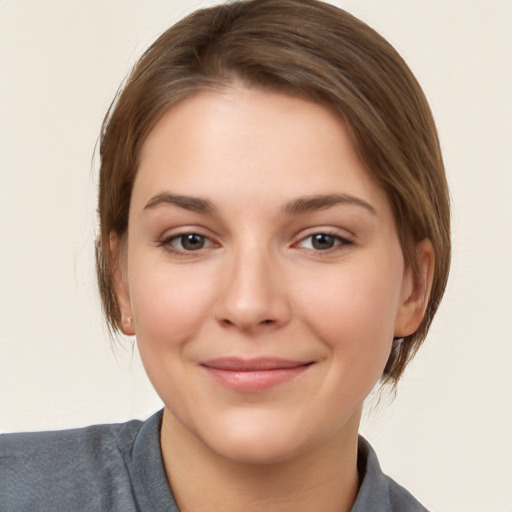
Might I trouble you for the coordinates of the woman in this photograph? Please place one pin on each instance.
(274, 230)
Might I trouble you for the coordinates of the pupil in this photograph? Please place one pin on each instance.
(192, 242)
(323, 241)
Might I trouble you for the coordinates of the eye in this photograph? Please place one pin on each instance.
(323, 242)
(188, 242)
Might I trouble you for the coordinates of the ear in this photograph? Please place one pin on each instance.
(415, 292)
(120, 280)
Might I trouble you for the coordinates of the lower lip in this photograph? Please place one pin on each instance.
(254, 381)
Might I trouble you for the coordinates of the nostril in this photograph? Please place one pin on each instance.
(229, 323)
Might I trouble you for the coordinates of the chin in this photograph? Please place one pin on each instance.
(264, 449)
(262, 438)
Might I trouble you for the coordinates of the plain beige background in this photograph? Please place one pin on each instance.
(447, 436)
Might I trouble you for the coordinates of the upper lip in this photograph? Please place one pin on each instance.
(255, 364)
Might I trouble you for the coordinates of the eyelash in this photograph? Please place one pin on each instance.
(339, 243)
(167, 243)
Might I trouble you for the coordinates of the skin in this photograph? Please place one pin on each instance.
(256, 284)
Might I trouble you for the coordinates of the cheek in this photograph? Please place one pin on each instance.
(353, 312)
(168, 304)
(168, 307)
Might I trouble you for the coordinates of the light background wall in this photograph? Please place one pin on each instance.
(447, 436)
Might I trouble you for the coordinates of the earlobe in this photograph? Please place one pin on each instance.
(416, 292)
(120, 280)
(127, 326)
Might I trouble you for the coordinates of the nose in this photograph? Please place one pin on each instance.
(253, 293)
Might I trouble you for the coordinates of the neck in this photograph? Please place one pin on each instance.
(323, 478)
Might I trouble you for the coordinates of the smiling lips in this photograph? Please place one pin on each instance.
(254, 375)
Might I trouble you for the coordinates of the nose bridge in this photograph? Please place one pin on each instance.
(253, 293)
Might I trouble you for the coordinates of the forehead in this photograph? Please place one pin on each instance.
(250, 143)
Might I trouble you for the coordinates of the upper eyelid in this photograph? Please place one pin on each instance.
(170, 238)
(340, 233)
(341, 238)
(171, 233)
(168, 244)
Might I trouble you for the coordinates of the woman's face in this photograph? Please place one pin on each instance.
(263, 274)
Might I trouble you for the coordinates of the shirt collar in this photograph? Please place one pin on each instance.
(153, 492)
(374, 490)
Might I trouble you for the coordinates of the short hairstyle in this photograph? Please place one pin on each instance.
(308, 49)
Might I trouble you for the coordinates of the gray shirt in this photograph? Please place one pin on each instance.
(119, 468)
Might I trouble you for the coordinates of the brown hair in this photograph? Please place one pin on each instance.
(312, 50)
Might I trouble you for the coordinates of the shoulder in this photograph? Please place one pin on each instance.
(80, 468)
(60, 442)
(378, 492)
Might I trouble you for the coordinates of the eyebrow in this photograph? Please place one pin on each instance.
(321, 202)
(300, 205)
(194, 204)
